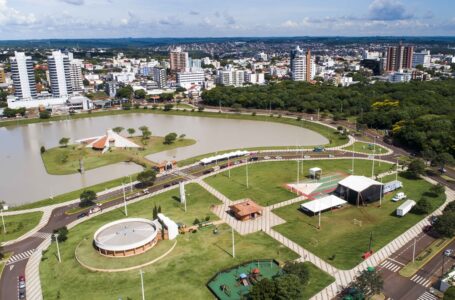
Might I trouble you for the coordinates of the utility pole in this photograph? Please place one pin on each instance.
(233, 243)
(124, 200)
(247, 180)
(131, 184)
(3, 208)
(298, 171)
(319, 220)
(374, 148)
(58, 249)
(142, 284)
(414, 250)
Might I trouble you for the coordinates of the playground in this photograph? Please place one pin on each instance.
(236, 282)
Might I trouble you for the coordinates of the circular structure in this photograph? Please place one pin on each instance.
(125, 237)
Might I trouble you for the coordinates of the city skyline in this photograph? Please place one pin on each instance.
(23, 19)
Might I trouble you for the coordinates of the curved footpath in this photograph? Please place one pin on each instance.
(37, 240)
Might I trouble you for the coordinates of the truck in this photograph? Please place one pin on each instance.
(406, 207)
(399, 196)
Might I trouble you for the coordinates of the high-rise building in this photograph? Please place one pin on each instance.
(421, 58)
(187, 79)
(159, 75)
(23, 76)
(231, 77)
(111, 88)
(399, 58)
(179, 60)
(60, 74)
(303, 67)
(77, 83)
(2, 76)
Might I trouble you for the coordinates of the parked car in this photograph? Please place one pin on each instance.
(433, 219)
(448, 252)
(266, 157)
(399, 196)
(22, 293)
(21, 280)
(80, 216)
(427, 228)
(318, 149)
(278, 157)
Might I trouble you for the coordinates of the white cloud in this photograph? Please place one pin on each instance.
(290, 24)
(73, 2)
(388, 10)
(11, 16)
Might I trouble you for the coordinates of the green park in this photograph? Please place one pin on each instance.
(18, 225)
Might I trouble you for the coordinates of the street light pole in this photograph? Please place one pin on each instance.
(233, 243)
(124, 200)
(58, 249)
(3, 222)
(414, 250)
(298, 171)
(247, 180)
(142, 284)
(374, 151)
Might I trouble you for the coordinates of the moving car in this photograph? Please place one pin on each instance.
(80, 216)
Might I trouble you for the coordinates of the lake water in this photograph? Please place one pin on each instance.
(23, 178)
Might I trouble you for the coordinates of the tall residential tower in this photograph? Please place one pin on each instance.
(179, 60)
(23, 76)
(60, 74)
(399, 58)
(303, 67)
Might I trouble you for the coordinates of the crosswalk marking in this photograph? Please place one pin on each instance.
(20, 256)
(421, 280)
(42, 235)
(390, 266)
(427, 296)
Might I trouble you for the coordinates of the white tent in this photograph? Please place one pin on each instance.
(358, 183)
(314, 171)
(171, 226)
(321, 204)
(110, 139)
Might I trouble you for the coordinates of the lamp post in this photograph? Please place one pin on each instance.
(3, 208)
(233, 243)
(142, 284)
(374, 151)
(58, 249)
(124, 200)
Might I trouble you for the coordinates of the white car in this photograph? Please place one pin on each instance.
(399, 196)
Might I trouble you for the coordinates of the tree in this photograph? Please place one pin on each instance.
(155, 212)
(42, 149)
(449, 293)
(64, 141)
(369, 282)
(146, 133)
(126, 106)
(168, 107)
(131, 131)
(62, 234)
(288, 286)
(416, 167)
(442, 159)
(170, 138)
(87, 198)
(437, 189)
(140, 94)
(299, 269)
(125, 92)
(445, 224)
(263, 290)
(450, 207)
(117, 129)
(147, 177)
(422, 207)
(45, 114)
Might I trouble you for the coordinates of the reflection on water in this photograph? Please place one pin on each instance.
(23, 178)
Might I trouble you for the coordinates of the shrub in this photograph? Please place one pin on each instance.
(422, 207)
(42, 149)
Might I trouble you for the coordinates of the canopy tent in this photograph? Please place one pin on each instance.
(224, 156)
(315, 172)
(322, 204)
(359, 188)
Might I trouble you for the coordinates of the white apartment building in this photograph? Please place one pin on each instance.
(261, 56)
(254, 78)
(187, 79)
(231, 77)
(303, 67)
(399, 77)
(421, 58)
(160, 76)
(77, 84)
(60, 74)
(23, 76)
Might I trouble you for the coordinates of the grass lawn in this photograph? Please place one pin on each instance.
(65, 160)
(318, 280)
(342, 243)
(3, 261)
(367, 148)
(267, 180)
(18, 225)
(182, 274)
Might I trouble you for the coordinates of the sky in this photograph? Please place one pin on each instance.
(41, 19)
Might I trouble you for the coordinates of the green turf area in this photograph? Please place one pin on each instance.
(65, 160)
(91, 258)
(342, 243)
(318, 280)
(182, 274)
(3, 261)
(17, 225)
(367, 148)
(267, 179)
